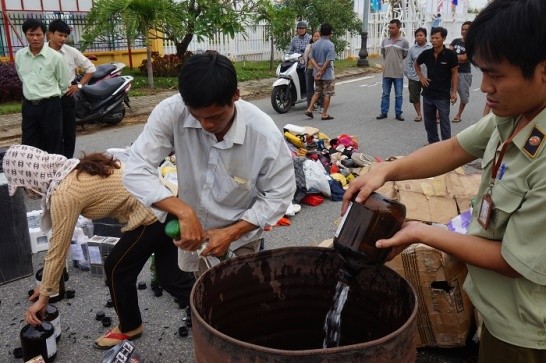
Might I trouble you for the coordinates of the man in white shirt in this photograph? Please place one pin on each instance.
(58, 33)
(234, 169)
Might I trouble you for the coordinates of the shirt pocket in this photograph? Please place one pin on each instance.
(506, 202)
(232, 190)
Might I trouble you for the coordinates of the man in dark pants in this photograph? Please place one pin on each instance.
(45, 78)
(440, 85)
(58, 33)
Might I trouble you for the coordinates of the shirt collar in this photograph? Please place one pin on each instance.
(42, 51)
(235, 134)
(536, 126)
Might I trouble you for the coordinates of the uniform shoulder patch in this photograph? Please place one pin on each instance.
(534, 141)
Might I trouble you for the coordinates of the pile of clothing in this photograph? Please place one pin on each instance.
(323, 165)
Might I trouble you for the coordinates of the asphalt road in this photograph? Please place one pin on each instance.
(354, 107)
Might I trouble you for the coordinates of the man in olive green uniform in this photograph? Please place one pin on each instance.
(505, 248)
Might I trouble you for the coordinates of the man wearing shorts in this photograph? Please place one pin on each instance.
(414, 85)
(322, 56)
(465, 74)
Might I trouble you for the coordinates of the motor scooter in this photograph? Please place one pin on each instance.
(103, 98)
(290, 88)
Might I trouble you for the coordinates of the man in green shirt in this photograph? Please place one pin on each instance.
(44, 74)
(505, 248)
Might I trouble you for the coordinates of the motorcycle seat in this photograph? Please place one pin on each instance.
(102, 71)
(104, 88)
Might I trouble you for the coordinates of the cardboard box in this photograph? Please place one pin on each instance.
(95, 257)
(38, 241)
(445, 313)
(98, 248)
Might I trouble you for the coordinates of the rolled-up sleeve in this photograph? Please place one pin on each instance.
(155, 142)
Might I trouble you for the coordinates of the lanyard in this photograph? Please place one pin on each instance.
(498, 161)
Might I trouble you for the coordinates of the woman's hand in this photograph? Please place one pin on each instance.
(35, 312)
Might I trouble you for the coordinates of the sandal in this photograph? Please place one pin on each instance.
(111, 339)
(456, 119)
(327, 117)
(309, 114)
(418, 119)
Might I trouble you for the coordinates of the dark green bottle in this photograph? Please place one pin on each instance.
(172, 229)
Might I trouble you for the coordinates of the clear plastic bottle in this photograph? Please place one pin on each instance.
(361, 227)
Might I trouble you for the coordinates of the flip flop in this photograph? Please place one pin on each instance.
(418, 119)
(327, 117)
(115, 338)
(456, 119)
(309, 114)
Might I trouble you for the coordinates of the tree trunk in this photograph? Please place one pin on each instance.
(149, 67)
(272, 57)
(182, 47)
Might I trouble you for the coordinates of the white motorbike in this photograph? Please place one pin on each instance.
(290, 88)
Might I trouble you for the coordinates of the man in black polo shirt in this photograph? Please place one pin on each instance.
(440, 85)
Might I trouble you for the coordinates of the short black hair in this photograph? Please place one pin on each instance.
(420, 30)
(397, 22)
(31, 24)
(508, 30)
(325, 29)
(207, 79)
(439, 29)
(58, 25)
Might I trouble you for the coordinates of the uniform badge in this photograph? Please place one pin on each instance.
(535, 140)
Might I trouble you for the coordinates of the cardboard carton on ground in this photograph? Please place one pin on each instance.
(445, 313)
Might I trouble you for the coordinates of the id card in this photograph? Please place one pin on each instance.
(486, 209)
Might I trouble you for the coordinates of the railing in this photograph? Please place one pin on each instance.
(76, 21)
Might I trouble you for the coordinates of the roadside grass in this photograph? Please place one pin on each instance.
(246, 71)
(10, 107)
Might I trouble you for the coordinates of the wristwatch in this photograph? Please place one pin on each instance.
(79, 85)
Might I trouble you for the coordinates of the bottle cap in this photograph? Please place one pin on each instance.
(18, 352)
(172, 229)
(106, 321)
(183, 331)
(99, 315)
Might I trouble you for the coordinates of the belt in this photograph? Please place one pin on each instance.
(41, 101)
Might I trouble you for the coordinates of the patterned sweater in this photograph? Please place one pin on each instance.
(94, 198)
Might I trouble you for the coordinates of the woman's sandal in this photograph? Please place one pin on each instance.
(111, 339)
(456, 119)
(309, 114)
(418, 119)
(327, 117)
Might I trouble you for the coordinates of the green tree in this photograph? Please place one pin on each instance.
(133, 18)
(176, 20)
(340, 14)
(279, 19)
(207, 18)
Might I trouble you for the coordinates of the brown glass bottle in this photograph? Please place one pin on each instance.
(364, 224)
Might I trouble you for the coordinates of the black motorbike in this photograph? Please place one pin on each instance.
(104, 97)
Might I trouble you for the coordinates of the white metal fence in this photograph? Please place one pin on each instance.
(254, 45)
